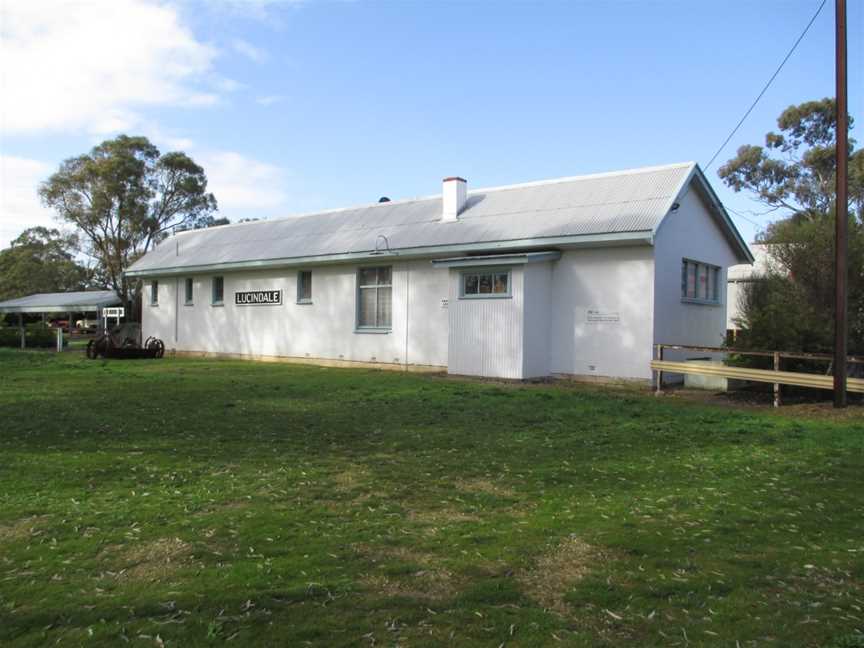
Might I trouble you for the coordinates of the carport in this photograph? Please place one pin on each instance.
(83, 301)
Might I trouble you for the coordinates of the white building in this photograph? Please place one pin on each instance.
(740, 275)
(574, 276)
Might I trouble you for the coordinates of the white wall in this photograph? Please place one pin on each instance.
(689, 232)
(323, 329)
(538, 302)
(486, 335)
(616, 281)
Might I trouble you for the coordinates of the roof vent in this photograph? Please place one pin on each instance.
(454, 195)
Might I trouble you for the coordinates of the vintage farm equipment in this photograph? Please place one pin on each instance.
(123, 342)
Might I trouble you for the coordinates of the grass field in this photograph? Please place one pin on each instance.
(194, 503)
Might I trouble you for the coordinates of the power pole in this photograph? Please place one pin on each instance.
(840, 211)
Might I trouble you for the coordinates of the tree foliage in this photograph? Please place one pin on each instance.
(792, 306)
(40, 260)
(124, 197)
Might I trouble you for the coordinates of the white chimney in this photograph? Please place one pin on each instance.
(455, 194)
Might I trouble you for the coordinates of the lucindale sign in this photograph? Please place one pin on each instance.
(258, 298)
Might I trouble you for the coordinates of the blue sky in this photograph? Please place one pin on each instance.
(299, 106)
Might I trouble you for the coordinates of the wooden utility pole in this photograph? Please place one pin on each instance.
(840, 211)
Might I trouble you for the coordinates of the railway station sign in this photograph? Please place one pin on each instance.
(258, 298)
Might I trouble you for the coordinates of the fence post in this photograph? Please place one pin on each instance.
(777, 397)
(659, 374)
(59, 340)
(22, 330)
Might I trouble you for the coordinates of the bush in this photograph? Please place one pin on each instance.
(35, 337)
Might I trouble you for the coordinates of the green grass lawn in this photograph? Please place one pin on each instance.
(193, 502)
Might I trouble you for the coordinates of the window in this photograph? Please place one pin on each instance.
(218, 291)
(304, 287)
(486, 284)
(374, 298)
(188, 291)
(154, 293)
(700, 282)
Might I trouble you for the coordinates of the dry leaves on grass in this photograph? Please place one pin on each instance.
(557, 571)
(149, 561)
(430, 582)
(22, 529)
(486, 486)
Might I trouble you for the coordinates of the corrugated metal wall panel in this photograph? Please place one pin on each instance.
(486, 334)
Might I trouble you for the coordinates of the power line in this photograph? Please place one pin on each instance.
(767, 85)
(740, 215)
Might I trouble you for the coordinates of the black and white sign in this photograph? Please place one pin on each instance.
(258, 298)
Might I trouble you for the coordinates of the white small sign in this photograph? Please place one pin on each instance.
(603, 316)
(114, 311)
(445, 303)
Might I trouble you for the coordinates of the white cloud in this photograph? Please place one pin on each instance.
(247, 49)
(19, 202)
(269, 100)
(92, 65)
(241, 183)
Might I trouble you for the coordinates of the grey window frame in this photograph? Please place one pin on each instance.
(486, 271)
(213, 300)
(188, 291)
(377, 328)
(711, 285)
(154, 292)
(300, 298)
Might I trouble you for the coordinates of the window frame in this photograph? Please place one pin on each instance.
(188, 291)
(213, 300)
(712, 282)
(486, 271)
(300, 298)
(154, 292)
(377, 328)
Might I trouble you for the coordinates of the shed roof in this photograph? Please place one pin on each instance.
(61, 302)
(589, 210)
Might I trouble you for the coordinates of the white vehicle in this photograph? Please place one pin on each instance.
(86, 323)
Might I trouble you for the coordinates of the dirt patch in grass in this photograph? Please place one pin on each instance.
(22, 529)
(442, 516)
(486, 486)
(557, 570)
(149, 561)
(429, 582)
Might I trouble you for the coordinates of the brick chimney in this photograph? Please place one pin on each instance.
(455, 193)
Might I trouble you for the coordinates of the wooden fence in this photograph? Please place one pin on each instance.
(775, 376)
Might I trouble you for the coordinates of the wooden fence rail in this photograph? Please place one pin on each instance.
(775, 376)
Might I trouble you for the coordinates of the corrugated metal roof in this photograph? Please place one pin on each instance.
(83, 300)
(601, 204)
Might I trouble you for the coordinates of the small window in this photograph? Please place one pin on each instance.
(188, 292)
(218, 291)
(374, 298)
(304, 287)
(700, 282)
(154, 293)
(486, 284)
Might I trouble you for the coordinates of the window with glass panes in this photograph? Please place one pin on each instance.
(154, 293)
(304, 287)
(218, 291)
(491, 283)
(188, 291)
(700, 282)
(375, 298)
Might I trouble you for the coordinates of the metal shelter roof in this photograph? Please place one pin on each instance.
(62, 302)
(596, 209)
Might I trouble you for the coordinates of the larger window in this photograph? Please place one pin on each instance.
(700, 282)
(218, 291)
(375, 298)
(486, 283)
(154, 293)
